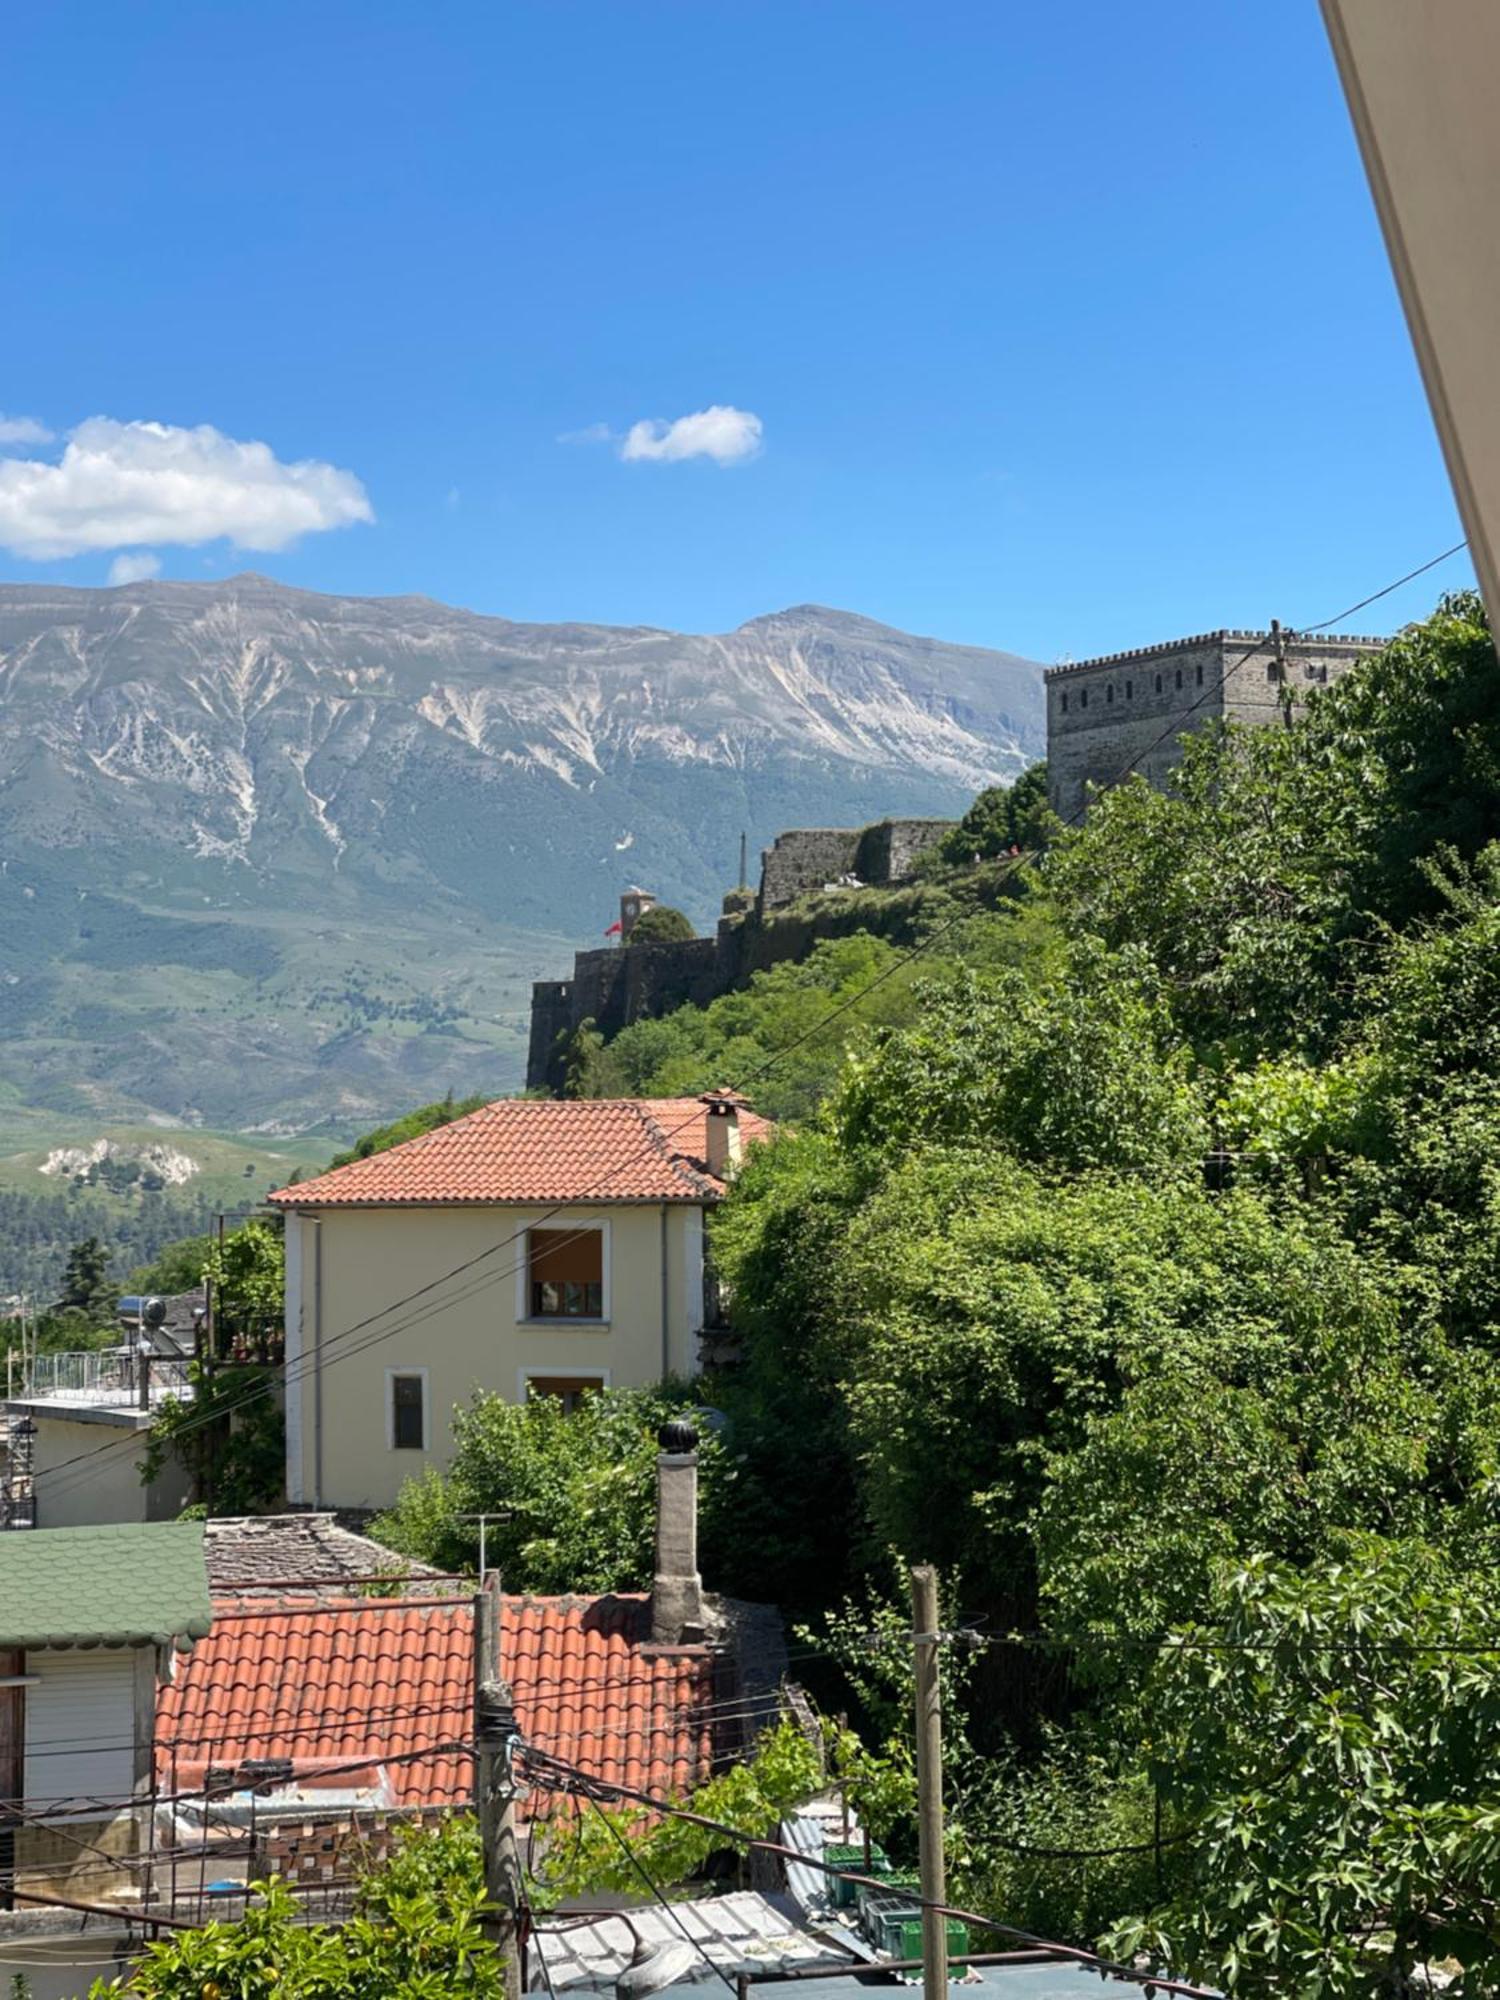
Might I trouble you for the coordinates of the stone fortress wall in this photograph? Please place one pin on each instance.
(618, 984)
(1132, 709)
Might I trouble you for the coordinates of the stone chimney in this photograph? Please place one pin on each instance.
(676, 1589)
(725, 1141)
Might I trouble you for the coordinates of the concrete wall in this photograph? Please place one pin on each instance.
(483, 1340)
(87, 1469)
(60, 1956)
(1127, 712)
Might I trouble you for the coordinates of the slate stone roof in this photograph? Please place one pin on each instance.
(526, 1150)
(250, 1551)
(376, 1679)
(127, 1584)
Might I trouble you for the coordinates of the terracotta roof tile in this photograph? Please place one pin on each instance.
(383, 1677)
(608, 1149)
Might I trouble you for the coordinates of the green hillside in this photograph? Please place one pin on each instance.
(136, 1188)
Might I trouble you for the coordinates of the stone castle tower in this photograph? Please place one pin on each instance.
(1104, 714)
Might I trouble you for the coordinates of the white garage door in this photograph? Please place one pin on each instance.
(80, 1721)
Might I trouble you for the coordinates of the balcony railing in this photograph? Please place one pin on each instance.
(108, 1378)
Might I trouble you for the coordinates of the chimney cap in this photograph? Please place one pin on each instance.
(722, 1102)
(678, 1434)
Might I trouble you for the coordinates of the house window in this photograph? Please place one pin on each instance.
(1130, 690)
(1158, 683)
(1083, 697)
(407, 1388)
(1273, 672)
(1179, 677)
(1200, 673)
(569, 1390)
(1065, 701)
(565, 1274)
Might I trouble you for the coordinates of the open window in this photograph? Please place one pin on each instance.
(565, 1273)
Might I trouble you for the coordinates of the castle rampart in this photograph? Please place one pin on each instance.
(616, 985)
(1127, 712)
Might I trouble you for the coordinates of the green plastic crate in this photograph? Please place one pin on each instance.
(844, 1895)
(893, 1923)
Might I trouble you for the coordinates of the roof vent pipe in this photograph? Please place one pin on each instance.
(677, 1589)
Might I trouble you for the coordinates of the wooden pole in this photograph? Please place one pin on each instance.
(924, 1612)
(494, 1793)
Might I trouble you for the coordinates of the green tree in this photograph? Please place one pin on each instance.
(578, 1488)
(177, 1268)
(661, 924)
(415, 1935)
(426, 1118)
(87, 1287)
(1332, 1739)
(1005, 819)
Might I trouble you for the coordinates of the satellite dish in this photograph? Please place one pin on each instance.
(653, 1967)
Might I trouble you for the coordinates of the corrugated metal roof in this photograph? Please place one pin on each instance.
(126, 1584)
(743, 1932)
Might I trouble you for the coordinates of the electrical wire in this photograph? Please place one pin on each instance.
(655, 1889)
(1376, 595)
(595, 1790)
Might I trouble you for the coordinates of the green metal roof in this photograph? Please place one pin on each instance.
(127, 1584)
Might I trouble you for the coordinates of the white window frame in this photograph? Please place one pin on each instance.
(390, 1408)
(524, 1315)
(537, 1369)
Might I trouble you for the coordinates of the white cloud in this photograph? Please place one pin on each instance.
(118, 485)
(720, 432)
(23, 430)
(134, 568)
(590, 434)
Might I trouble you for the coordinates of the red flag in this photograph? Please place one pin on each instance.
(615, 929)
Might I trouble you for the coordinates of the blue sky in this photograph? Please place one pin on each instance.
(1066, 328)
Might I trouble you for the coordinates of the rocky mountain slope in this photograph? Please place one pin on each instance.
(275, 859)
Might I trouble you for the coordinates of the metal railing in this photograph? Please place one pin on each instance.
(109, 1378)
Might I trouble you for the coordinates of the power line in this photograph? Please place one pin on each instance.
(1376, 595)
(321, 1359)
(654, 1888)
(569, 1778)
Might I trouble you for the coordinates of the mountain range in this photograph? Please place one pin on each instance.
(278, 861)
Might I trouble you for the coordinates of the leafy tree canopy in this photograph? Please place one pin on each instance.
(1005, 819)
(578, 1487)
(661, 924)
(426, 1118)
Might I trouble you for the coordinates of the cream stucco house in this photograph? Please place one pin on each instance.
(534, 1247)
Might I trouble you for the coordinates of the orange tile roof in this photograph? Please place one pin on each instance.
(333, 1683)
(519, 1149)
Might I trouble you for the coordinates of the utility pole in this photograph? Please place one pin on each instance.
(1283, 690)
(495, 1793)
(924, 1633)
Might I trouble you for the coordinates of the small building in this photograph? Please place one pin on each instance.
(533, 1248)
(367, 1703)
(1127, 712)
(73, 1442)
(91, 1623)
